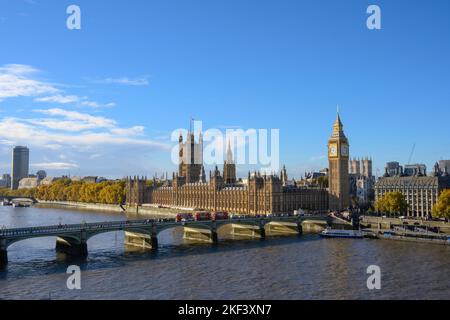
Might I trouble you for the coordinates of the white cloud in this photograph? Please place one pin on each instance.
(75, 117)
(21, 131)
(18, 69)
(142, 81)
(55, 124)
(16, 81)
(55, 165)
(134, 131)
(82, 101)
(94, 104)
(60, 138)
(58, 99)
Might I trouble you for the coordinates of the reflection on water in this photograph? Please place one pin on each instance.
(304, 267)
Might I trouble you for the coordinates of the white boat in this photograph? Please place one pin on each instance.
(20, 205)
(333, 233)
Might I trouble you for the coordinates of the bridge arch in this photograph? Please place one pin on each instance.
(69, 237)
(187, 225)
(92, 234)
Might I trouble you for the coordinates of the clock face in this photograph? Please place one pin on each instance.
(333, 150)
(344, 150)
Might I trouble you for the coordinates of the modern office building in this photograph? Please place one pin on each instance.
(20, 165)
(421, 192)
(411, 170)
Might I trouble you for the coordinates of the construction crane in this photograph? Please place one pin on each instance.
(412, 153)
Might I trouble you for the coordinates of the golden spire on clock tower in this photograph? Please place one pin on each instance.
(338, 127)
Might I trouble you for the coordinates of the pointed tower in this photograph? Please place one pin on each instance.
(284, 176)
(338, 156)
(191, 157)
(229, 167)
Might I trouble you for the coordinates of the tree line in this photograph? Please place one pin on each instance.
(107, 192)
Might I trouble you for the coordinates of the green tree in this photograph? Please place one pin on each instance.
(442, 207)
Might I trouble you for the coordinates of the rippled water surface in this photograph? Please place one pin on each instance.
(305, 267)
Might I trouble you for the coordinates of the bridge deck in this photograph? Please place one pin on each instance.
(131, 224)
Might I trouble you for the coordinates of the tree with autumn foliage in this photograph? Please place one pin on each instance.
(442, 207)
(392, 203)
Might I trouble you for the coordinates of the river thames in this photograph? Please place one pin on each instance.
(305, 267)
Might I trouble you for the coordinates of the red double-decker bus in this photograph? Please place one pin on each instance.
(202, 216)
(184, 217)
(220, 216)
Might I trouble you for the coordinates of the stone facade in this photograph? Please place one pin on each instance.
(191, 158)
(421, 193)
(362, 181)
(261, 194)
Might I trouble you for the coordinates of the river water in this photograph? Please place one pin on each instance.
(305, 267)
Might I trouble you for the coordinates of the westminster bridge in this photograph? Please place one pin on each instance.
(72, 239)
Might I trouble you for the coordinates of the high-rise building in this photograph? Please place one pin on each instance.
(338, 156)
(20, 165)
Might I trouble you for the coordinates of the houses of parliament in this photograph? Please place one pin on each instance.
(259, 194)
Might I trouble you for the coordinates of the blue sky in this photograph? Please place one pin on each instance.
(104, 99)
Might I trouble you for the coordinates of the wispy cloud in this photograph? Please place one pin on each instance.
(133, 131)
(97, 105)
(55, 165)
(63, 137)
(20, 131)
(16, 81)
(20, 80)
(74, 116)
(62, 99)
(141, 81)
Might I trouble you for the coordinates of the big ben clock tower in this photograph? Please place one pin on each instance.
(338, 156)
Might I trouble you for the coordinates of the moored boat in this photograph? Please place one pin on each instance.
(5, 203)
(20, 205)
(334, 233)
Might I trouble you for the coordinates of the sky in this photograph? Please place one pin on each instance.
(105, 99)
